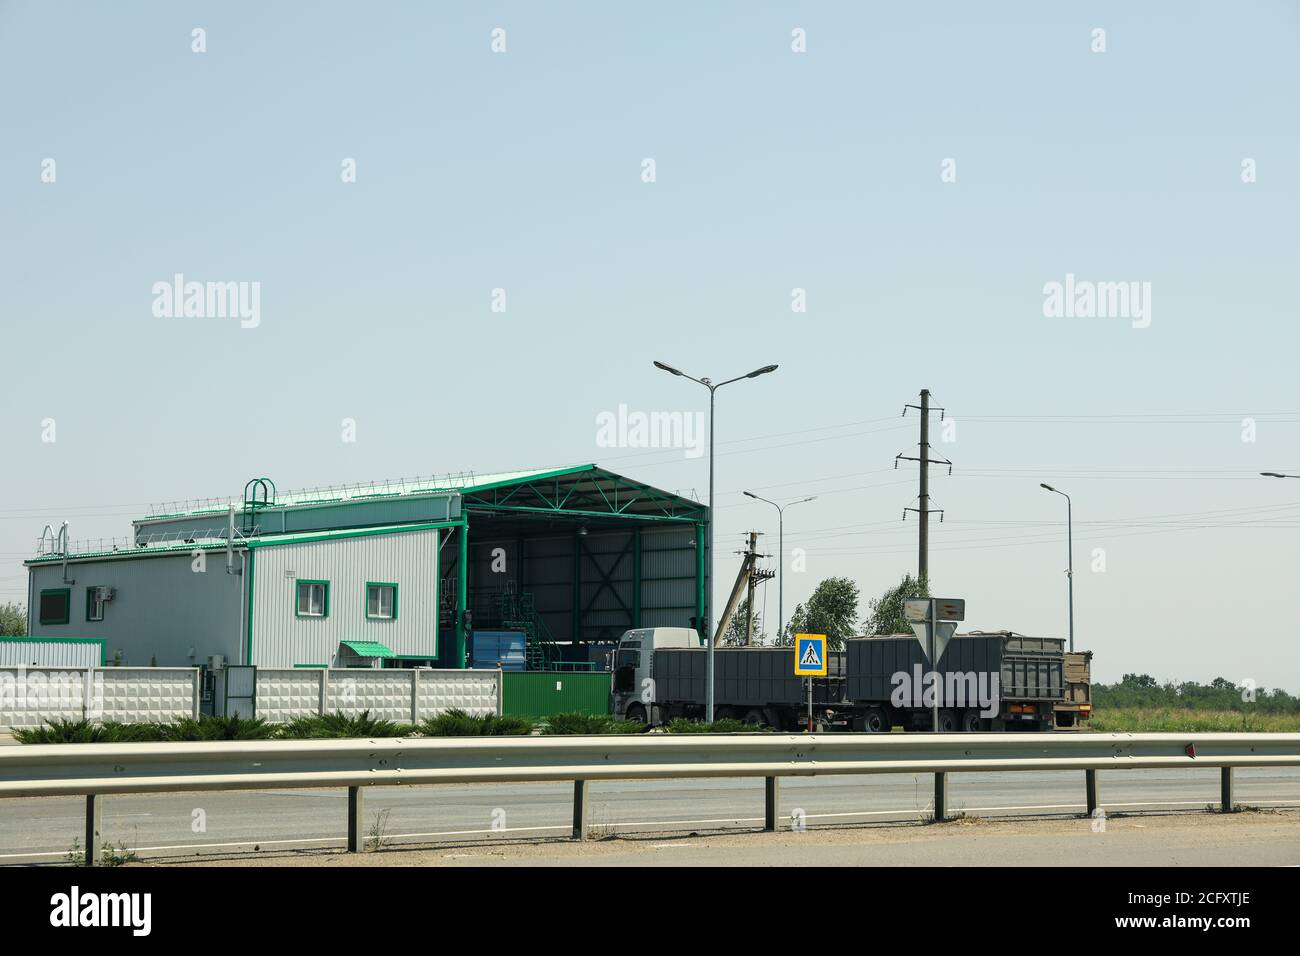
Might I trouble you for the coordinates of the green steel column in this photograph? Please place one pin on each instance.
(699, 577)
(575, 628)
(462, 593)
(636, 577)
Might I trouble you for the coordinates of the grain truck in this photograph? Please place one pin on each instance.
(985, 681)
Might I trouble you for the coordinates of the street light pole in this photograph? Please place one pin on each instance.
(707, 622)
(1069, 533)
(780, 534)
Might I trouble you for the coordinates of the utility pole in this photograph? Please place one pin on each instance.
(923, 458)
(749, 594)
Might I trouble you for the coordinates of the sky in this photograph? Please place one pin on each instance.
(874, 196)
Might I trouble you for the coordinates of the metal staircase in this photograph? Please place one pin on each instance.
(518, 612)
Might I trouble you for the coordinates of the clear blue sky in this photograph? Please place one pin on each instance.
(775, 170)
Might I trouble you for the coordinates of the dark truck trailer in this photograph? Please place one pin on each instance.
(1029, 672)
(753, 684)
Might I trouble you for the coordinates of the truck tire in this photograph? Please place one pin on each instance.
(948, 721)
(971, 722)
(636, 712)
(876, 721)
(756, 717)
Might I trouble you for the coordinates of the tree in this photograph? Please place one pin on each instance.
(831, 610)
(735, 634)
(13, 620)
(887, 610)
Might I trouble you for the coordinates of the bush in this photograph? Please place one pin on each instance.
(457, 723)
(725, 726)
(576, 723)
(339, 724)
(60, 731)
(208, 727)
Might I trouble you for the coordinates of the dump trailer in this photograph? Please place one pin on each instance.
(753, 684)
(1077, 706)
(986, 680)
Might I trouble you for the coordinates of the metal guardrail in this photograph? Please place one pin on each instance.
(96, 770)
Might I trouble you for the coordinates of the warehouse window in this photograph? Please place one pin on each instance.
(94, 604)
(56, 604)
(313, 599)
(381, 601)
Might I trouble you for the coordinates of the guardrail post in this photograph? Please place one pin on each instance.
(1090, 783)
(771, 797)
(94, 819)
(1225, 790)
(356, 818)
(940, 797)
(580, 809)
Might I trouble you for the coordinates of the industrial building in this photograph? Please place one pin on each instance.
(394, 574)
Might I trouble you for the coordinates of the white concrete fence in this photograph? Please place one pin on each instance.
(402, 695)
(31, 696)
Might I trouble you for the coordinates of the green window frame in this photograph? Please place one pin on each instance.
(379, 601)
(67, 606)
(298, 585)
(91, 604)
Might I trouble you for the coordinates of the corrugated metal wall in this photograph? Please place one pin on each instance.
(668, 559)
(64, 652)
(605, 570)
(163, 607)
(542, 693)
(408, 559)
(395, 510)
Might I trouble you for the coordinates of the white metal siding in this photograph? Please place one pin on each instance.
(162, 608)
(33, 652)
(408, 559)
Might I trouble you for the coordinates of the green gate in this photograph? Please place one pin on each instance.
(542, 693)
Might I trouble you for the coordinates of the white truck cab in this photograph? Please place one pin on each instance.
(634, 689)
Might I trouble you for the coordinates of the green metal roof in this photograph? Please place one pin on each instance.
(368, 648)
(552, 489)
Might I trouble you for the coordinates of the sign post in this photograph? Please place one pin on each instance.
(934, 620)
(810, 662)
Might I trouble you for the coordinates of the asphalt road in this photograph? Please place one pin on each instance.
(220, 823)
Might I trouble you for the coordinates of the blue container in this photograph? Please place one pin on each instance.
(490, 650)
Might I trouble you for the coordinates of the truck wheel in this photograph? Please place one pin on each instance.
(636, 712)
(971, 722)
(874, 721)
(756, 717)
(947, 721)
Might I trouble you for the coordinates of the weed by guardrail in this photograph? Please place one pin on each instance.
(727, 725)
(579, 723)
(457, 723)
(339, 725)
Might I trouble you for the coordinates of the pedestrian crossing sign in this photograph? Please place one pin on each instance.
(810, 655)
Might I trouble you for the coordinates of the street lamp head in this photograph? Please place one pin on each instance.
(1045, 485)
(751, 494)
(667, 368)
(1275, 474)
(762, 371)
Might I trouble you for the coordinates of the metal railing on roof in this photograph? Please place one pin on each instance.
(214, 535)
(386, 487)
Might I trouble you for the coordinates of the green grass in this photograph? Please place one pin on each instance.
(457, 723)
(576, 723)
(1176, 720)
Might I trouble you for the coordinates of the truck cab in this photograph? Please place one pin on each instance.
(634, 692)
